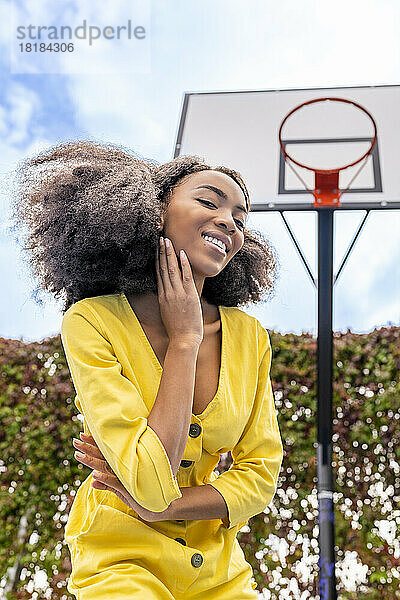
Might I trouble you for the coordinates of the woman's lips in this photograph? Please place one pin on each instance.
(215, 247)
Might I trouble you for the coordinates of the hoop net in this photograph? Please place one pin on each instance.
(326, 189)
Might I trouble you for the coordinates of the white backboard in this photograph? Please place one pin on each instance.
(240, 130)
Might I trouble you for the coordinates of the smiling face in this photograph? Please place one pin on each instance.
(194, 210)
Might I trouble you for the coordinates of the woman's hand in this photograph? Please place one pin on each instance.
(180, 306)
(104, 478)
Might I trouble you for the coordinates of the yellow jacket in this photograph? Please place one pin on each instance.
(116, 377)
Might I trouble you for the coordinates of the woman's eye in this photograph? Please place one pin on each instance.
(212, 204)
(207, 202)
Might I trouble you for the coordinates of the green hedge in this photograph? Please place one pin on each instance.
(40, 476)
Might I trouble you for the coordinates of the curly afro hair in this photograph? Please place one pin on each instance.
(92, 214)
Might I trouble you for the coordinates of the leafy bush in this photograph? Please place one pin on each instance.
(40, 476)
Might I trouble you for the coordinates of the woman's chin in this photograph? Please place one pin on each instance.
(207, 271)
(207, 266)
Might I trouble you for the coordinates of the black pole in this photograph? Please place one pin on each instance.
(327, 580)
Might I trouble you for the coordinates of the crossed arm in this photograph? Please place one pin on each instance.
(200, 502)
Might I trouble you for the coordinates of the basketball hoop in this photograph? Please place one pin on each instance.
(326, 190)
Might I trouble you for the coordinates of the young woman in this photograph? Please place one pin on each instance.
(169, 372)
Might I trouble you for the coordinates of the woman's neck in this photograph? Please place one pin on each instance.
(147, 308)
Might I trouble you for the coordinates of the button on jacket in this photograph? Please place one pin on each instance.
(116, 375)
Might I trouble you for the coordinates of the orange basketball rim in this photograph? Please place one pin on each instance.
(326, 190)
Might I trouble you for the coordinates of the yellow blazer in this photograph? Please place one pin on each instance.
(116, 376)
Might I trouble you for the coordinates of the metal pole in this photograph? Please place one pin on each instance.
(327, 580)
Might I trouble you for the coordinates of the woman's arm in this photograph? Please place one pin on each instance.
(171, 413)
(200, 502)
(115, 411)
(197, 503)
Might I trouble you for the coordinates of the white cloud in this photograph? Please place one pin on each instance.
(5, 17)
(17, 117)
(21, 134)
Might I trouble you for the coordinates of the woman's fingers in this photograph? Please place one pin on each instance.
(104, 477)
(109, 482)
(86, 447)
(164, 269)
(100, 486)
(187, 275)
(89, 439)
(91, 461)
(158, 272)
(91, 456)
(172, 275)
(106, 480)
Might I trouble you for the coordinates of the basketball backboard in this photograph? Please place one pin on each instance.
(240, 130)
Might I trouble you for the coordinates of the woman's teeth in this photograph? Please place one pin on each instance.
(215, 243)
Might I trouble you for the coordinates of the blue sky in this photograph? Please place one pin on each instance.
(223, 45)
